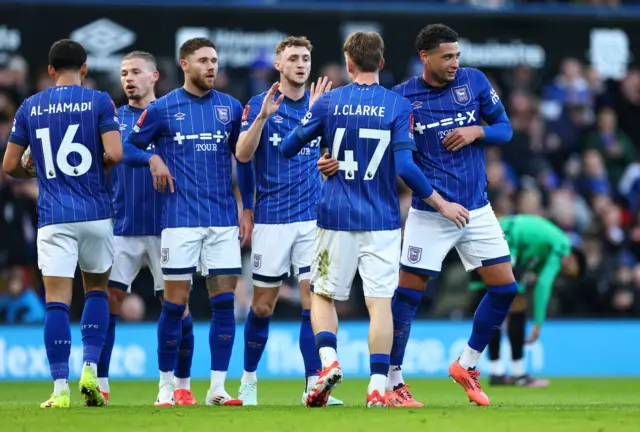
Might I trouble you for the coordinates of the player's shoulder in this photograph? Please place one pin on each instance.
(471, 75)
(403, 86)
(257, 99)
(225, 98)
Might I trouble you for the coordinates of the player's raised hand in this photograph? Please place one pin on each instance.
(455, 213)
(269, 104)
(246, 227)
(461, 137)
(318, 89)
(161, 174)
(327, 165)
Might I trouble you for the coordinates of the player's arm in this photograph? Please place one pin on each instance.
(254, 117)
(109, 128)
(309, 128)
(18, 143)
(498, 129)
(544, 286)
(403, 146)
(147, 130)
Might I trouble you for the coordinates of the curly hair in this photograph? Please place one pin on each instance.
(433, 35)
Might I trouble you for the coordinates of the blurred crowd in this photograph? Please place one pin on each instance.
(574, 158)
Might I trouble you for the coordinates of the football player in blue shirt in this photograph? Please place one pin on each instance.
(138, 208)
(195, 129)
(370, 132)
(449, 104)
(287, 195)
(73, 138)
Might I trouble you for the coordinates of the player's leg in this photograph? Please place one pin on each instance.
(221, 263)
(271, 251)
(335, 262)
(379, 254)
(95, 258)
(57, 260)
(516, 331)
(182, 373)
(302, 257)
(428, 238)
(484, 249)
(179, 254)
(128, 252)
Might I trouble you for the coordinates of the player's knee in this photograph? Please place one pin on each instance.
(116, 298)
(507, 290)
(263, 309)
(414, 281)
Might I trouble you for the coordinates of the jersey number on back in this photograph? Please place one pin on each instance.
(67, 146)
(349, 165)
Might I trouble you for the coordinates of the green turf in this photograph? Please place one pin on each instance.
(568, 405)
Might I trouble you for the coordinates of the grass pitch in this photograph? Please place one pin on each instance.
(598, 405)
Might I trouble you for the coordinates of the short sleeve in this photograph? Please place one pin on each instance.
(402, 127)
(490, 104)
(250, 112)
(107, 114)
(20, 130)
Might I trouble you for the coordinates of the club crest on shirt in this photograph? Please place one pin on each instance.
(222, 114)
(164, 255)
(461, 94)
(414, 254)
(257, 261)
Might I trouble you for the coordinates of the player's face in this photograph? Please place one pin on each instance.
(443, 62)
(201, 68)
(294, 65)
(138, 78)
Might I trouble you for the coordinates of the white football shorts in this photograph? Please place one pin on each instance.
(339, 254)
(276, 247)
(131, 253)
(213, 250)
(61, 247)
(429, 236)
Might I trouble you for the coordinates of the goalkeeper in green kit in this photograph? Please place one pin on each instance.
(541, 249)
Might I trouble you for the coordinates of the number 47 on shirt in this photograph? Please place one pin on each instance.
(349, 165)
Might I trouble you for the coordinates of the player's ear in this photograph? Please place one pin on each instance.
(156, 76)
(381, 65)
(276, 64)
(83, 69)
(423, 56)
(51, 71)
(184, 65)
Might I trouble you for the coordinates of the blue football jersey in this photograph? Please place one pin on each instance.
(287, 188)
(458, 176)
(362, 125)
(137, 205)
(196, 137)
(62, 126)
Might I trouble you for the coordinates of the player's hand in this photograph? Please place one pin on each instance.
(246, 227)
(318, 89)
(161, 174)
(327, 165)
(461, 137)
(269, 104)
(455, 213)
(534, 335)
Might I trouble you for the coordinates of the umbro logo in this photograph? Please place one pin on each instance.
(180, 116)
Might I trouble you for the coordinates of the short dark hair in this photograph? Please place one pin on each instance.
(365, 49)
(193, 45)
(433, 35)
(148, 57)
(67, 54)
